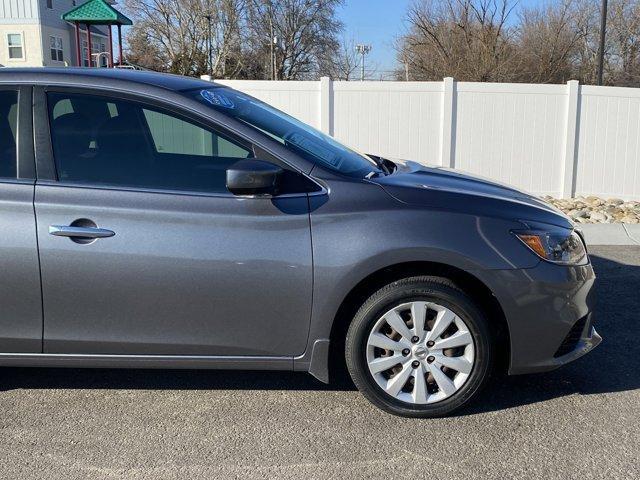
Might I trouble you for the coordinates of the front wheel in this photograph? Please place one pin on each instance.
(419, 347)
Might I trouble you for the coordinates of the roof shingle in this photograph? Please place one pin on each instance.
(96, 12)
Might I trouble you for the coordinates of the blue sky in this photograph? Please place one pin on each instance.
(378, 23)
(375, 22)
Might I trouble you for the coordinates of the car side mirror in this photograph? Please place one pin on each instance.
(253, 177)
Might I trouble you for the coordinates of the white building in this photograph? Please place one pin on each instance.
(33, 34)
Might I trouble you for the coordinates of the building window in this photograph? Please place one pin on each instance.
(16, 51)
(85, 53)
(96, 48)
(57, 53)
(103, 58)
(50, 4)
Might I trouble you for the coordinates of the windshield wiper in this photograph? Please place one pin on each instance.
(383, 164)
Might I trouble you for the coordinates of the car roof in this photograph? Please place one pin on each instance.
(74, 75)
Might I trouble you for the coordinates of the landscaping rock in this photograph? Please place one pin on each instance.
(594, 209)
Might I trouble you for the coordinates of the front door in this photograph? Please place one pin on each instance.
(143, 251)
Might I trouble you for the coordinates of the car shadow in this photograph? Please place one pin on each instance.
(159, 379)
(612, 367)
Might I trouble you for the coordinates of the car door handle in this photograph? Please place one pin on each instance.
(82, 232)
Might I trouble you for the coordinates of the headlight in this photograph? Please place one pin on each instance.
(558, 246)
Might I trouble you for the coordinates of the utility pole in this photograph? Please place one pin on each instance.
(272, 41)
(405, 61)
(210, 45)
(362, 50)
(274, 49)
(603, 31)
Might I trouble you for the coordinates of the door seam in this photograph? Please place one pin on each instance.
(35, 218)
(313, 276)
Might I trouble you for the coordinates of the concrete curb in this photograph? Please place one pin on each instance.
(610, 233)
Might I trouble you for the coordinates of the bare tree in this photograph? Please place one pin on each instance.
(300, 32)
(549, 42)
(483, 40)
(175, 34)
(479, 40)
(624, 43)
(176, 28)
(227, 18)
(468, 39)
(144, 51)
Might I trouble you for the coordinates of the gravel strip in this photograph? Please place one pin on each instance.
(598, 210)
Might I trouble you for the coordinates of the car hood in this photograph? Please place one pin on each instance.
(447, 189)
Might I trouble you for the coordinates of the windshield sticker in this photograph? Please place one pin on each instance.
(217, 99)
(314, 148)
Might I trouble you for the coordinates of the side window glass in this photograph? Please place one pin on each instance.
(174, 136)
(102, 140)
(8, 134)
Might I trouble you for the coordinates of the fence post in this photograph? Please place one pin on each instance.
(571, 139)
(447, 123)
(326, 105)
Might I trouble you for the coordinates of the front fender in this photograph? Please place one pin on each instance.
(358, 229)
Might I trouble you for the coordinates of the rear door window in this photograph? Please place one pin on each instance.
(108, 141)
(8, 133)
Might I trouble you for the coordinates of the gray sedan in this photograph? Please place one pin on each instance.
(155, 221)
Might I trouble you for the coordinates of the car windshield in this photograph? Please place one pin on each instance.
(306, 141)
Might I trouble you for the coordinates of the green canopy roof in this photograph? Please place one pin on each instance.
(96, 12)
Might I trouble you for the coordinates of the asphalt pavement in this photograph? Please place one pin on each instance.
(579, 422)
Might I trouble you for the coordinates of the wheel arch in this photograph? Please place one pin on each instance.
(470, 284)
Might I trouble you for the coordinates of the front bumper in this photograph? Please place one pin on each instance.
(587, 340)
(549, 312)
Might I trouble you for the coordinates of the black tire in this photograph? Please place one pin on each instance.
(443, 292)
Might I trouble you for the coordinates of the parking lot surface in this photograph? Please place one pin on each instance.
(579, 422)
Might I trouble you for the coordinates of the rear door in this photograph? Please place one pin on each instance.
(20, 301)
(178, 265)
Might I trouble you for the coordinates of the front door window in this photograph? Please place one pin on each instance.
(101, 140)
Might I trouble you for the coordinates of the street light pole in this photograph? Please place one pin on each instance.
(362, 50)
(603, 30)
(209, 44)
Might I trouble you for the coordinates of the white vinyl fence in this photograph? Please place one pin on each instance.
(559, 140)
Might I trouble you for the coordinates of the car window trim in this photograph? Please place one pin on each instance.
(25, 159)
(184, 193)
(45, 166)
(26, 155)
(46, 172)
